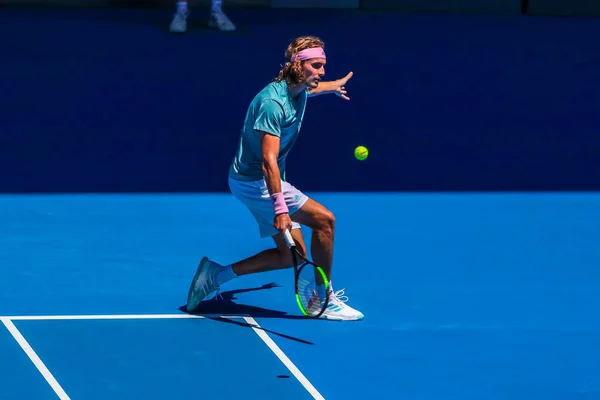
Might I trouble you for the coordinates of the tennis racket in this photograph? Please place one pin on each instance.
(310, 282)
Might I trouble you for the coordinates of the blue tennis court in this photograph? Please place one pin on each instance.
(469, 238)
(465, 296)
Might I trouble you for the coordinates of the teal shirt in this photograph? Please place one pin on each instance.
(272, 111)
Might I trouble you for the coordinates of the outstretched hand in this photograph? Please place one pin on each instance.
(340, 86)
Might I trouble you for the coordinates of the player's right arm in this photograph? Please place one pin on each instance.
(270, 151)
(268, 122)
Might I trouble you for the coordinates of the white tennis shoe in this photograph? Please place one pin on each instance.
(338, 310)
(203, 284)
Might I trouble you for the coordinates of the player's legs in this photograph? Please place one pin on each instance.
(255, 196)
(210, 275)
(322, 223)
(217, 19)
(272, 259)
(304, 211)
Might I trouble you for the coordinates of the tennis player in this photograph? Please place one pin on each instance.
(217, 19)
(257, 178)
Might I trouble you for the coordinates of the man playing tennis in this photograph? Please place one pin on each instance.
(257, 178)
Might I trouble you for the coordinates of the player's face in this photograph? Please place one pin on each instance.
(314, 70)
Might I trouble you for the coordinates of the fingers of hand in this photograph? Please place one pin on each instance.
(342, 93)
(283, 222)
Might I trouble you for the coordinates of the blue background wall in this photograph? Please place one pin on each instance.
(581, 8)
(461, 6)
(107, 100)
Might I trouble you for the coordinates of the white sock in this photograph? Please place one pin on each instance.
(182, 6)
(226, 274)
(216, 5)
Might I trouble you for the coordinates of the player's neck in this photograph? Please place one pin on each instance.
(295, 90)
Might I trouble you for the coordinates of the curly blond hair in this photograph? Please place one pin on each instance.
(292, 71)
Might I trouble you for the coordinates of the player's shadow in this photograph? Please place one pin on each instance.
(223, 305)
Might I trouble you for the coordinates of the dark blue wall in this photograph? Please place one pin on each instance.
(102, 100)
(580, 8)
(460, 6)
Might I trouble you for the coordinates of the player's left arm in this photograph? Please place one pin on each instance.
(338, 87)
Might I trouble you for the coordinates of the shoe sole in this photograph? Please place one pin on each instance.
(199, 271)
(330, 318)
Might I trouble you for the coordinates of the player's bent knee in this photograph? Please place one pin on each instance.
(327, 221)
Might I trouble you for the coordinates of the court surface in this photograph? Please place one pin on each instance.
(465, 296)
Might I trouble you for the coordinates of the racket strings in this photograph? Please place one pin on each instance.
(307, 290)
(311, 295)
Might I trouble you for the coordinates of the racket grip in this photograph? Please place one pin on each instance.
(288, 238)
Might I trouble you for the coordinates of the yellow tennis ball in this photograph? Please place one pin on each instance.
(361, 152)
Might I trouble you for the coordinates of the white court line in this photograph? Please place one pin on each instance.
(284, 359)
(251, 321)
(35, 359)
(115, 316)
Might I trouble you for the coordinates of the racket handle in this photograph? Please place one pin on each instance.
(288, 238)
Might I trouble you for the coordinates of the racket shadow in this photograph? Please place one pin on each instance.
(223, 305)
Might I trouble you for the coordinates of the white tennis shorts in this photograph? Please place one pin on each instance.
(255, 196)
